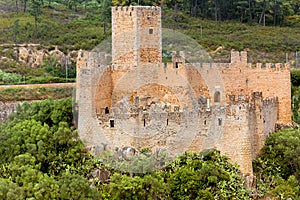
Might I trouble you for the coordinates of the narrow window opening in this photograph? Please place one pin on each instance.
(204, 122)
(167, 122)
(220, 121)
(106, 110)
(144, 122)
(112, 123)
(150, 31)
(217, 97)
(176, 65)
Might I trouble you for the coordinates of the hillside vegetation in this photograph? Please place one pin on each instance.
(83, 24)
(41, 157)
(79, 24)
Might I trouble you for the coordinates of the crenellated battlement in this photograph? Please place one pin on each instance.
(133, 12)
(134, 8)
(240, 98)
(270, 101)
(239, 57)
(270, 66)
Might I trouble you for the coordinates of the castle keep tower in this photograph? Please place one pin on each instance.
(136, 35)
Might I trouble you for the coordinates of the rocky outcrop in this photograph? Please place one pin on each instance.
(7, 108)
(32, 55)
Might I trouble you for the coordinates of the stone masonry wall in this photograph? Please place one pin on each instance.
(136, 35)
(272, 81)
(176, 106)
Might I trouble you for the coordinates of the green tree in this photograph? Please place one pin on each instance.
(278, 167)
(35, 10)
(16, 30)
(150, 186)
(207, 175)
(73, 186)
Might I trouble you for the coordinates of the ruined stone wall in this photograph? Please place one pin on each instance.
(177, 82)
(88, 126)
(102, 94)
(270, 113)
(272, 81)
(159, 128)
(235, 141)
(262, 120)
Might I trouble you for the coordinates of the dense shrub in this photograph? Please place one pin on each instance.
(278, 167)
(10, 78)
(20, 94)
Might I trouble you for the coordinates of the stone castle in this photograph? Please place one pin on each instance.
(141, 102)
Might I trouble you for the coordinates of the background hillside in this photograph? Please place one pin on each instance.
(268, 29)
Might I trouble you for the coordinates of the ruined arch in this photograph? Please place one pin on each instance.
(155, 93)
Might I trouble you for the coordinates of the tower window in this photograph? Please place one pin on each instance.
(220, 121)
(112, 123)
(144, 122)
(106, 110)
(151, 31)
(217, 97)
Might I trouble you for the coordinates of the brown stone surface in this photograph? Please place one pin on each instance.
(178, 106)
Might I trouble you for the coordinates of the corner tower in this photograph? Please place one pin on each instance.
(136, 36)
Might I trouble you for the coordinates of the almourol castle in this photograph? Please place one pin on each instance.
(138, 101)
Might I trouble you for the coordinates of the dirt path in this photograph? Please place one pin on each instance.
(49, 85)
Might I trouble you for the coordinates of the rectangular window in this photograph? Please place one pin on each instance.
(151, 31)
(112, 123)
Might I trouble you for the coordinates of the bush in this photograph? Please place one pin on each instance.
(10, 78)
(278, 167)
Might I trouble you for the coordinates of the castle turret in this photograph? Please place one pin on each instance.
(136, 35)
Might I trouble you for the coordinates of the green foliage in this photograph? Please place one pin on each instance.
(55, 69)
(207, 175)
(10, 78)
(43, 158)
(138, 164)
(150, 186)
(39, 93)
(51, 112)
(295, 80)
(41, 155)
(278, 166)
(295, 77)
(74, 186)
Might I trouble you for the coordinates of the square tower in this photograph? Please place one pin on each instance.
(136, 35)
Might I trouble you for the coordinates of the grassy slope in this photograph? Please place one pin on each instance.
(72, 30)
(264, 44)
